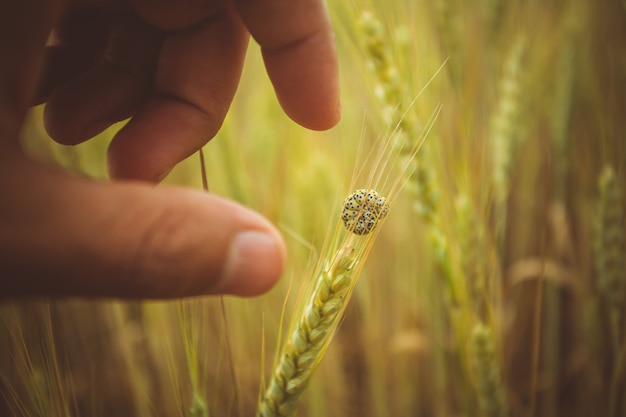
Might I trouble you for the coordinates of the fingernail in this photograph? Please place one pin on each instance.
(254, 263)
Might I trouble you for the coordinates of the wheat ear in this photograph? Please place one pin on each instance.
(488, 375)
(405, 125)
(303, 351)
(504, 124)
(609, 250)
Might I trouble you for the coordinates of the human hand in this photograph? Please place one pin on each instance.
(174, 67)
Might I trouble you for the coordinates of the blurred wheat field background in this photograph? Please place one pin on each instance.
(495, 285)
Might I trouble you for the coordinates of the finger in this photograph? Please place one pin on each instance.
(67, 236)
(110, 92)
(298, 47)
(195, 81)
(24, 28)
(77, 43)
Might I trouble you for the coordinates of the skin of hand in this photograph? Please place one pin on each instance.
(172, 67)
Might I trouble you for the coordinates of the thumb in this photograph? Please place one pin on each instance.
(63, 236)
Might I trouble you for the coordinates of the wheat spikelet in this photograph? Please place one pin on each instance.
(387, 89)
(609, 247)
(303, 351)
(505, 118)
(470, 237)
(609, 259)
(487, 373)
(502, 131)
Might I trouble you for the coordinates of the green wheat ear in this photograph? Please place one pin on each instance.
(609, 246)
(304, 350)
(323, 309)
(504, 122)
(406, 126)
(487, 373)
(504, 125)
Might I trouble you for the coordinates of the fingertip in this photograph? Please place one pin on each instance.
(163, 132)
(254, 264)
(306, 81)
(211, 246)
(322, 116)
(130, 240)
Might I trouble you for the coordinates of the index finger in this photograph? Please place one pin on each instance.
(298, 47)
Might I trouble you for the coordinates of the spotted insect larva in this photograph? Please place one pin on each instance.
(363, 209)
